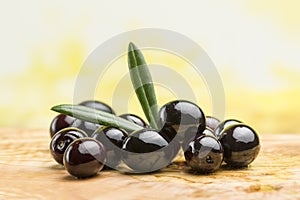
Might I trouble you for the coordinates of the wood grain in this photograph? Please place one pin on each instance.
(28, 172)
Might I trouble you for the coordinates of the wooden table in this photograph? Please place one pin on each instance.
(28, 172)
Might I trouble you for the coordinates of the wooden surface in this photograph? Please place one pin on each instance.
(28, 172)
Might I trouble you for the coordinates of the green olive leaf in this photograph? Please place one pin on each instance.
(143, 84)
(95, 116)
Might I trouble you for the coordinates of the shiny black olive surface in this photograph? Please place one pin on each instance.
(61, 140)
(61, 121)
(84, 157)
(183, 117)
(204, 154)
(241, 145)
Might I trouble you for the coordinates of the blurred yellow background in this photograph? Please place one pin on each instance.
(255, 46)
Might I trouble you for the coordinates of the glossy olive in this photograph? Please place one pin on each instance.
(88, 127)
(184, 117)
(241, 145)
(98, 106)
(61, 121)
(212, 122)
(62, 139)
(204, 154)
(84, 157)
(224, 124)
(149, 151)
(111, 138)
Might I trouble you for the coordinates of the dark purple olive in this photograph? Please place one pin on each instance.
(184, 117)
(111, 138)
(241, 145)
(221, 126)
(88, 127)
(62, 139)
(135, 119)
(61, 121)
(98, 106)
(212, 122)
(147, 151)
(84, 157)
(204, 154)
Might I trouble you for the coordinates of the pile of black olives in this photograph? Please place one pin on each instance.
(85, 148)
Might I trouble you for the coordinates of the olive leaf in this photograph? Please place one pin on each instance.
(95, 116)
(143, 84)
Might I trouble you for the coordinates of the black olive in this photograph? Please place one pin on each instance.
(204, 154)
(241, 145)
(62, 139)
(185, 117)
(61, 121)
(84, 157)
(147, 151)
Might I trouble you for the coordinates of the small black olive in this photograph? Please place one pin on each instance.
(62, 139)
(241, 145)
(147, 151)
(61, 121)
(204, 154)
(185, 117)
(84, 157)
